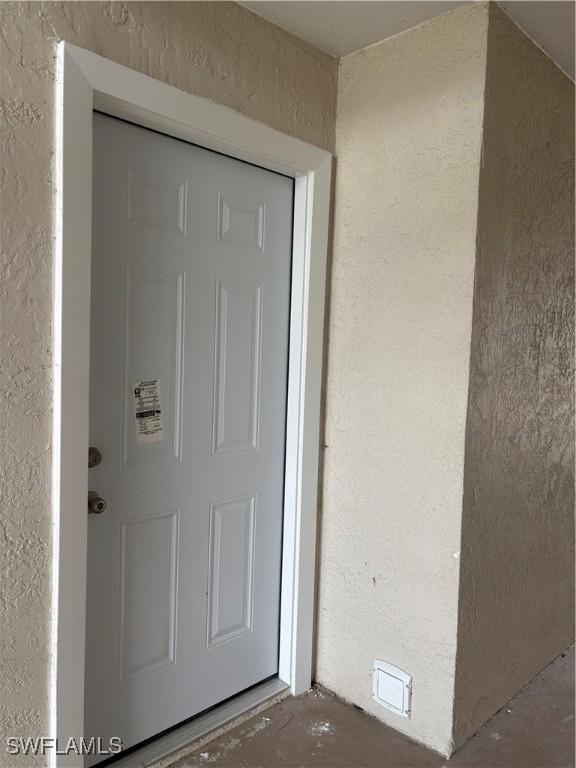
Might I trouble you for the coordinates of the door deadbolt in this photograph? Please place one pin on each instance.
(94, 457)
(96, 504)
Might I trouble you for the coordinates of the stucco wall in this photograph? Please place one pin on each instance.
(216, 50)
(408, 137)
(517, 598)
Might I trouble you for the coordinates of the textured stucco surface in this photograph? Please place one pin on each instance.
(408, 138)
(215, 50)
(517, 598)
(409, 132)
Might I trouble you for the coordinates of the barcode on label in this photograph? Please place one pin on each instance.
(148, 411)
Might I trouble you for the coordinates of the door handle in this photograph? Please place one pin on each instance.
(96, 504)
(94, 457)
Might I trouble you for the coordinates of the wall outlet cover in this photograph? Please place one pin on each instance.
(392, 688)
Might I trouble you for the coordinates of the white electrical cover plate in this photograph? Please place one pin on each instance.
(392, 688)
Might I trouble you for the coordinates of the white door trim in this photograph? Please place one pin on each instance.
(85, 82)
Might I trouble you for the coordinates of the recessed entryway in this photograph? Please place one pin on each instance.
(209, 266)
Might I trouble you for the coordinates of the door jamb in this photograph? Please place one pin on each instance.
(86, 81)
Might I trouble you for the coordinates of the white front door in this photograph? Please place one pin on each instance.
(190, 305)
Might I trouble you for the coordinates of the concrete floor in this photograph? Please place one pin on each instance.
(317, 730)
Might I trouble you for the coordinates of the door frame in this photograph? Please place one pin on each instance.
(86, 81)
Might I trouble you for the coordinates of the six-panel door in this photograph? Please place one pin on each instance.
(189, 344)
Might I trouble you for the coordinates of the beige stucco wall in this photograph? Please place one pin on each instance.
(409, 131)
(408, 137)
(517, 582)
(216, 50)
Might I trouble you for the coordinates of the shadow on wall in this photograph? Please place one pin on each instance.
(517, 580)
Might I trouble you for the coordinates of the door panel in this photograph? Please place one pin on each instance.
(189, 345)
(153, 350)
(237, 359)
(148, 557)
(231, 582)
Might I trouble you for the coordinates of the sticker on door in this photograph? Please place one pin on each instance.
(148, 411)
